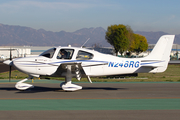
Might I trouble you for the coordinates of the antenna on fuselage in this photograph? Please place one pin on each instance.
(85, 42)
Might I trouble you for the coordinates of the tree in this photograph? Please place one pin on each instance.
(139, 44)
(130, 36)
(117, 36)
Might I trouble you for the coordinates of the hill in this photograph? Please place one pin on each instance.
(11, 35)
(18, 36)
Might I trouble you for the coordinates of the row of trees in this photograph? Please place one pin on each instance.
(123, 39)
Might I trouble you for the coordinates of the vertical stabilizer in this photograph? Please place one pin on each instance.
(160, 55)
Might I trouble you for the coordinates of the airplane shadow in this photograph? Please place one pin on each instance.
(31, 90)
(8, 89)
(101, 88)
(38, 89)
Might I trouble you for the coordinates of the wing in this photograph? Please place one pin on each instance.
(76, 70)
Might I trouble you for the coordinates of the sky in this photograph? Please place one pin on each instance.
(71, 15)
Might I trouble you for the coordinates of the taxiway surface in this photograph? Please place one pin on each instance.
(116, 100)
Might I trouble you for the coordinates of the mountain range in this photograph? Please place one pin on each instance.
(11, 35)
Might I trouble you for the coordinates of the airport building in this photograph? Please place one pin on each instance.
(16, 51)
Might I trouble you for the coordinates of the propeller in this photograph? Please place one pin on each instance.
(10, 66)
(9, 62)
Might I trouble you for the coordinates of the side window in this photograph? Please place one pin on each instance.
(82, 55)
(65, 54)
(49, 53)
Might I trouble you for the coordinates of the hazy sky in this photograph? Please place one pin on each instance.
(71, 15)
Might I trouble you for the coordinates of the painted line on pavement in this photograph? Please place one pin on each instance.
(91, 104)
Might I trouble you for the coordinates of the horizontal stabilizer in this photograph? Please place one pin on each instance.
(151, 63)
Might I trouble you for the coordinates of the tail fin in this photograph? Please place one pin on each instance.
(160, 55)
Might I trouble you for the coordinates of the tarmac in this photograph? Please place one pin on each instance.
(99, 100)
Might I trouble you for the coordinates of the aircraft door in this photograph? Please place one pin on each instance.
(90, 67)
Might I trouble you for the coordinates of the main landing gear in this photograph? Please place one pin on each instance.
(67, 85)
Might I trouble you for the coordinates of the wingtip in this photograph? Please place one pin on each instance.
(8, 62)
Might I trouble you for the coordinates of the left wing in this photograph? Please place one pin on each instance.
(76, 70)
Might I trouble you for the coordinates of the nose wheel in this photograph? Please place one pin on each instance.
(23, 86)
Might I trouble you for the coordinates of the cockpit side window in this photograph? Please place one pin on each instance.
(82, 55)
(49, 53)
(65, 54)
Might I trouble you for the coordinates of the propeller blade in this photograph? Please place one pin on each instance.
(10, 73)
(10, 58)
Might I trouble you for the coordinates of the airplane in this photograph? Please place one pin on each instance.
(77, 62)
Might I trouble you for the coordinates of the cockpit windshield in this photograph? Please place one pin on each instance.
(49, 53)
